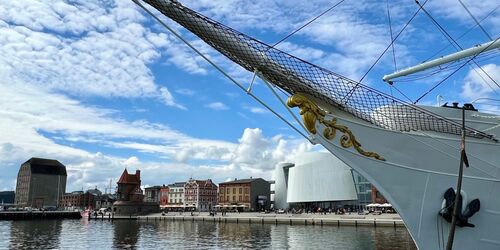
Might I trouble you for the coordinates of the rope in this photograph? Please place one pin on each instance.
(306, 24)
(457, 47)
(475, 20)
(347, 97)
(465, 33)
(218, 68)
(452, 73)
(392, 38)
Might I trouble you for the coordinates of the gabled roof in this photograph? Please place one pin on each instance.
(46, 166)
(127, 178)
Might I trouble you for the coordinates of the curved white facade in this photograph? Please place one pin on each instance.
(280, 177)
(315, 177)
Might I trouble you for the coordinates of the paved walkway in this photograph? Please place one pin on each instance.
(274, 215)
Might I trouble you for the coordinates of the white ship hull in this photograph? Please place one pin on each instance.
(418, 169)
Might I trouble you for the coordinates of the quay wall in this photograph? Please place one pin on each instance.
(35, 215)
(308, 221)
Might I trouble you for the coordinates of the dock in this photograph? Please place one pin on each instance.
(277, 219)
(35, 215)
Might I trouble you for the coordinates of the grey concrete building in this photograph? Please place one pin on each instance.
(152, 194)
(40, 183)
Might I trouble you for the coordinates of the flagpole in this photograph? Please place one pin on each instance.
(451, 235)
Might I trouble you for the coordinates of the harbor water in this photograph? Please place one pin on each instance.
(127, 234)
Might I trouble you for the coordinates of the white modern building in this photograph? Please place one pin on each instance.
(315, 179)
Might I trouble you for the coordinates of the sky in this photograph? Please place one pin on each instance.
(100, 86)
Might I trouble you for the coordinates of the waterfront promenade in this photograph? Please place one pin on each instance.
(370, 220)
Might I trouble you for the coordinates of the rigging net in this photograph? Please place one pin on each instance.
(295, 75)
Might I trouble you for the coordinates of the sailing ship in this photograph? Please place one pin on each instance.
(410, 153)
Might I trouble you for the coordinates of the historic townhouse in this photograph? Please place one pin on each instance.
(200, 194)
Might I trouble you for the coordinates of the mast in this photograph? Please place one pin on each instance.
(451, 235)
(445, 59)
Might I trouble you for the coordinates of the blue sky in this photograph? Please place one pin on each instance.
(100, 86)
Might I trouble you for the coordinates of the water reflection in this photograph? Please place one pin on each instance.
(36, 233)
(126, 234)
(80, 234)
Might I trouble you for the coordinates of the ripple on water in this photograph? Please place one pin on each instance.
(81, 234)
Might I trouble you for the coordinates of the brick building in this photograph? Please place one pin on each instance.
(130, 199)
(200, 195)
(246, 194)
(377, 196)
(40, 183)
(164, 192)
(79, 199)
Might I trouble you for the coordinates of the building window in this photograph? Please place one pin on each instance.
(241, 190)
(246, 190)
(234, 190)
(239, 198)
(234, 198)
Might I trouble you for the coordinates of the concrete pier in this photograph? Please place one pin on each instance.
(384, 220)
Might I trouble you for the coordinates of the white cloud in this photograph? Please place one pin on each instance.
(86, 48)
(257, 152)
(168, 99)
(257, 110)
(132, 161)
(478, 85)
(453, 9)
(217, 106)
(37, 123)
(184, 91)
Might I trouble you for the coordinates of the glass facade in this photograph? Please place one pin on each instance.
(363, 189)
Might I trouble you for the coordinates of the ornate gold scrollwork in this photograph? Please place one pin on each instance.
(311, 113)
